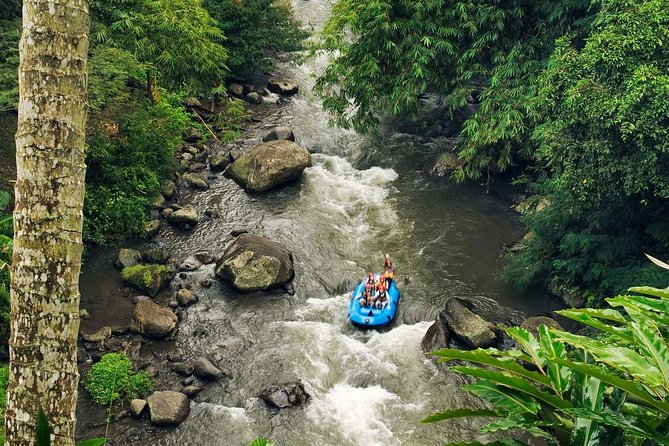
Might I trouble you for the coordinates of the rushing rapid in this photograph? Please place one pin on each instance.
(362, 197)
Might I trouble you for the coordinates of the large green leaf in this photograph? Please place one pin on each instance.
(654, 346)
(502, 442)
(591, 317)
(621, 358)
(6, 224)
(482, 357)
(618, 420)
(503, 398)
(586, 430)
(628, 386)
(552, 349)
(641, 308)
(460, 413)
(528, 343)
(531, 425)
(516, 383)
(43, 431)
(260, 442)
(662, 293)
(4, 200)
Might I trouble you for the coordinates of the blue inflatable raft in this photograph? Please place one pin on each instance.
(373, 317)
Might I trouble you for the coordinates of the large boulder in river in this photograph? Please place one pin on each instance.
(253, 263)
(279, 133)
(148, 278)
(445, 164)
(152, 320)
(436, 337)
(468, 326)
(285, 395)
(128, 257)
(168, 407)
(269, 165)
(281, 86)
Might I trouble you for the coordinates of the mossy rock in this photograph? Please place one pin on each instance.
(148, 278)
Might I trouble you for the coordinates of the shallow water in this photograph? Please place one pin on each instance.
(362, 197)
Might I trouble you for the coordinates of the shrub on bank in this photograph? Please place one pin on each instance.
(111, 380)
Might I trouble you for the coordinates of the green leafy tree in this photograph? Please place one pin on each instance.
(570, 389)
(177, 39)
(387, 53)
(254, 30)
(112, 381)
(603, 148)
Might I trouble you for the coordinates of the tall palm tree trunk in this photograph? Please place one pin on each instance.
(48, 220)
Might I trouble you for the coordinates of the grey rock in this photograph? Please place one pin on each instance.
(190, 264)
(468, 326)
(236, 90)
(269, 165)
(254, 98)
(204, 257)
(532, 324)
(285, 395)
(219, 161)
(128, 257)
(84, 314)
(195, 181)
(186, 297)
(183, 368)
(192, 134)
(436, 337)
(149, 278)
(253, 263)
(185, 216)
(192, 390)
(282, 87)
(152, 320)
(152, 227)
(197, 167)
(137, 406)
(203, 368)
(168, 189)
(137, 299)
(99, 336)
(167, 212)
(155, 255)
(235, 154)
(159, 202)
(168, 407)
(187, 156)
(445, 164)
(280, 133)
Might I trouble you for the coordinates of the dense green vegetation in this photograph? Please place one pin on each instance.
(609, 389)
(572, 90)
(146, 57)
(111, 381)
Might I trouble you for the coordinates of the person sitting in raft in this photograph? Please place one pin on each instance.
(367, 299)
(381, 295)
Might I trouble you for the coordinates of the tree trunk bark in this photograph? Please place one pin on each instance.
(48, 220)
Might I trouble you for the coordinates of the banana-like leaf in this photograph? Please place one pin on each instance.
(512, 382)
(654, 346)
(532, 426)
(503, 398)
(4, 200)
(591, 317)
(6, 224)
(641, 308)
(662, 293)
(621, 358)
(632, 388)
(482, 357)
(586, 430)
(609, 418)
(552, 349)
(528, 343)
(460, 413)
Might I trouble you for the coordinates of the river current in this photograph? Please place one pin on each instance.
(363, 197)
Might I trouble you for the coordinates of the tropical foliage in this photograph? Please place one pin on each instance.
(489, 53)
(6, 230)
(254, 30)
(603, 147)
(571, 389)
